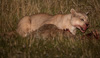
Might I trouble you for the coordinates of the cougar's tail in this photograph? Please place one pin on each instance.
(24, 26)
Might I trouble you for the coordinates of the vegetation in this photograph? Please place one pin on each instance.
(60, 46)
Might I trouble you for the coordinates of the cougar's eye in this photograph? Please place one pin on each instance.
(82, 19)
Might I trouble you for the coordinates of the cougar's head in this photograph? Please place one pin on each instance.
(79, 20)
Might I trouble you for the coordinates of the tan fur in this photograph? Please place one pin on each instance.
(71, 21)
(24, 26)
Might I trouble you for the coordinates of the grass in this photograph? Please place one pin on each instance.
(59, 46)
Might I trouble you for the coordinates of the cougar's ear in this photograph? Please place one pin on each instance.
(73, 12)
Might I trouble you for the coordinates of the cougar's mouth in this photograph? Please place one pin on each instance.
(82, 28)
